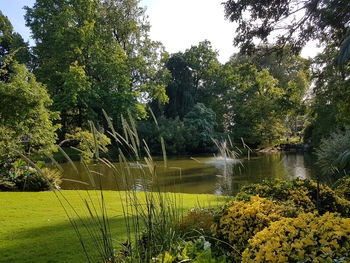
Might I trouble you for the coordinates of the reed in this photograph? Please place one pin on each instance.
(149, 216)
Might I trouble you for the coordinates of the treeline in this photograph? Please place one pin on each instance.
(260, 98)
(91, 56)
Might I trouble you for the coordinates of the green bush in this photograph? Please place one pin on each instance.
(300, 193)
(196, 221)
(196, 251)
(28, 179)
(241, 220)
(307, 238)
(333, 154)
(342, 188)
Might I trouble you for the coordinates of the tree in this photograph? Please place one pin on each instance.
(93, 55)
(181, 88)
(252, 102)
(191, 78)
(11, 43)
(294, 77)
(331, 97)
(200, 125)
(25, 121)
(290, 22)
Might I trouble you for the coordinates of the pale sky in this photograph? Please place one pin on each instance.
(178, 24)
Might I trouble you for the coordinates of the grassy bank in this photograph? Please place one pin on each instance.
(35, 228)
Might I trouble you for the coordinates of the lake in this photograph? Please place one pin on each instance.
(200, 175)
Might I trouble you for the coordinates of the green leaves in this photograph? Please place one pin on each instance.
(333, 154)
(253, 105)
(343, 160)
(290, 22)
(94, 54)
(25, 121)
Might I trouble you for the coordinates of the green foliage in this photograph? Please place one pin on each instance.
(197, 251)
(200, 128)
(307, 238)
(309, 20)
(193, 134)
(239, 221)
(24, 178)
(11, 43)
(171, 130)
(192, 74)
(89, 143)
(332, 154)
(294, 78)
(324, 21)
(299, 193)
(253, 105)
(94, 54)
(342, 187)
(330, 101)
(26, 124)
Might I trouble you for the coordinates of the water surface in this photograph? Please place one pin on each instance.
(201, 175)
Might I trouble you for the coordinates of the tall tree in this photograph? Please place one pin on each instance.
(294, 77)
(92, 55)
(252, 101)
(191, 78)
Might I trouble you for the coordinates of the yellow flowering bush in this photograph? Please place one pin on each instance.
(301, 193)
(307, 238)
(241, 220)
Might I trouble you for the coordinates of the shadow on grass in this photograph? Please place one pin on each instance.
(54, 243)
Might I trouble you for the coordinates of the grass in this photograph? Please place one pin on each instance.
(35, 228)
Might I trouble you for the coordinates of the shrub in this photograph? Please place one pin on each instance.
(199, 221)
(331, 154)
(342, 188)
(28, 179)
(196, 251)
(89, 141)
(307, 238)
(301, 193)
(241, 220)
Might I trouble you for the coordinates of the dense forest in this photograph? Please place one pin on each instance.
(93, 63)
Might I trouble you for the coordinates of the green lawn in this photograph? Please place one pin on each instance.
(35, 228)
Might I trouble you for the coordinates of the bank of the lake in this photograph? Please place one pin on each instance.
(35, 228)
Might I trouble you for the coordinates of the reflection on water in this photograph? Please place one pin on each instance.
(220, 176)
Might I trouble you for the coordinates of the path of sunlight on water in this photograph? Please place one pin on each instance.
(215, 175)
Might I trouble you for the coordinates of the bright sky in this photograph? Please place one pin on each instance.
(178, 24)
